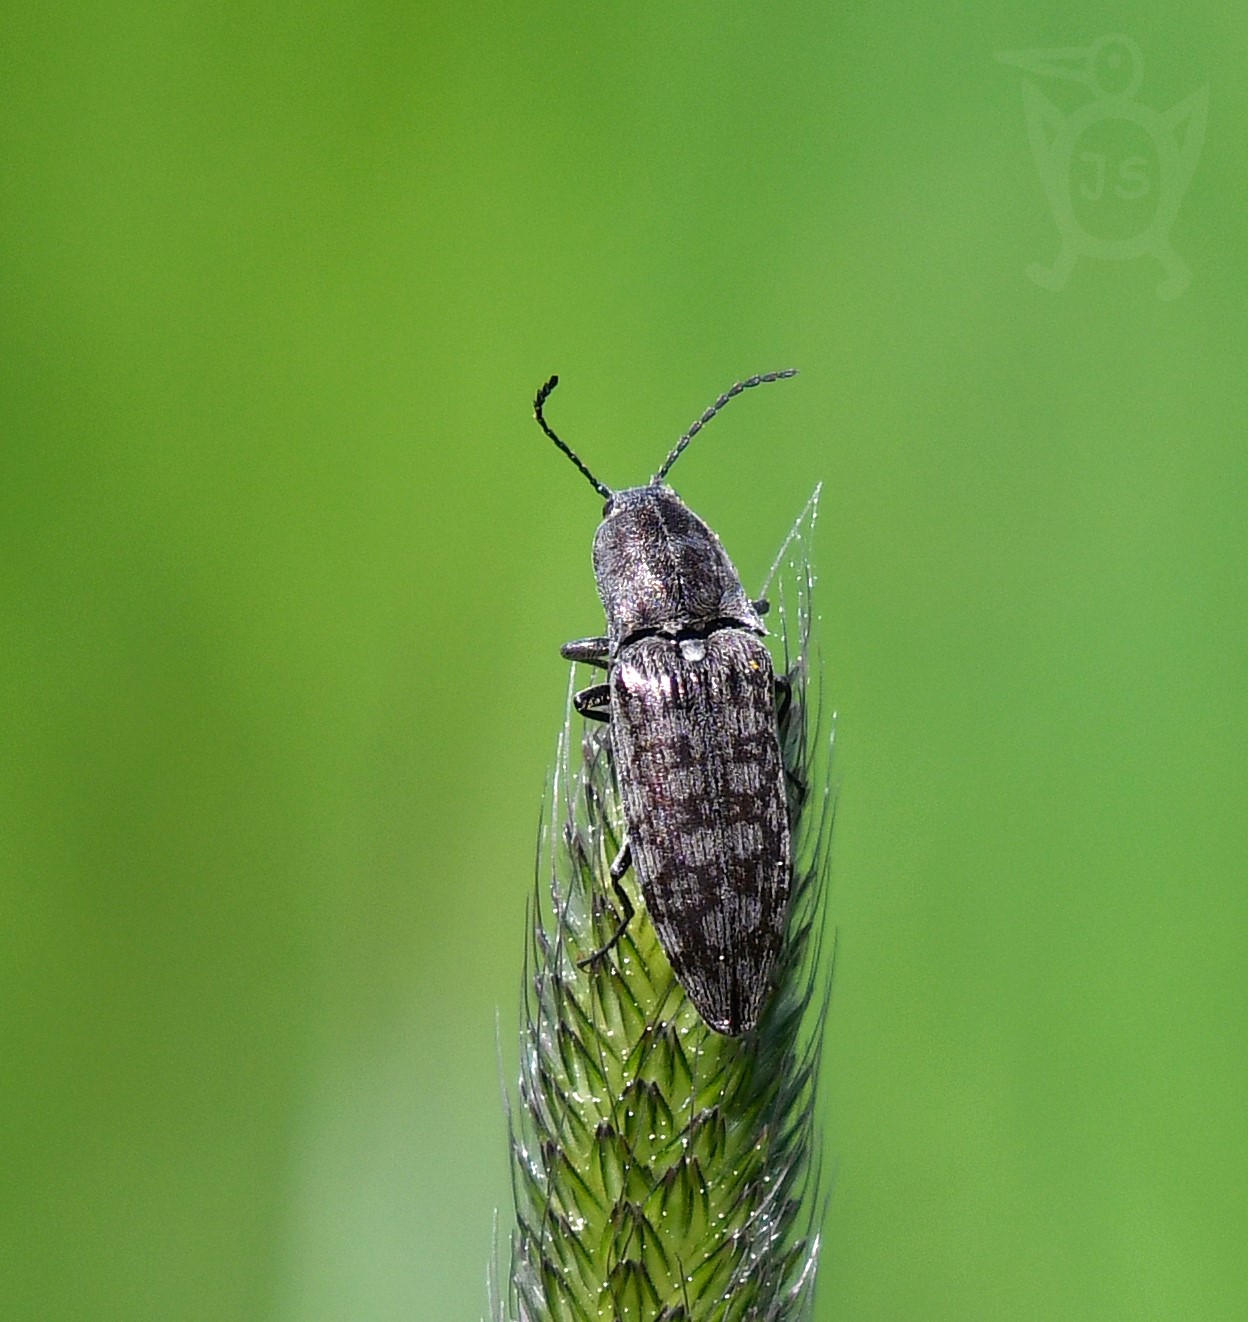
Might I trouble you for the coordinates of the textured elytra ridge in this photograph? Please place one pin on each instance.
(662, 1171)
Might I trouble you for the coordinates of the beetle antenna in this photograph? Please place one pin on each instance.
(711, 412)
(542, 396)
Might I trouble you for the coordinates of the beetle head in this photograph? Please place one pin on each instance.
(660, 569)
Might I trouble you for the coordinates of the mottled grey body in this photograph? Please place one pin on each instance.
(704, 806)
(691, 698)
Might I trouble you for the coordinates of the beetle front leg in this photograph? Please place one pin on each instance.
(594, 703)
(593, 651)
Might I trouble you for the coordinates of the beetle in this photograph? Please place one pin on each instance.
(691, 700)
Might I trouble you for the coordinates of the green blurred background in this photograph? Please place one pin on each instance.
(286, 564)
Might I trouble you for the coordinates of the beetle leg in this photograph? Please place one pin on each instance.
(797, 784)
(593, 702)
(622, 862)
(784, 703)
(593, 651)
(619, 866)
(784, 698)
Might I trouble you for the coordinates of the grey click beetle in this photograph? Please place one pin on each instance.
(691, 698)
